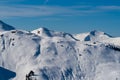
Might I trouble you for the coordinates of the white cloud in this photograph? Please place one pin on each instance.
(34, 11)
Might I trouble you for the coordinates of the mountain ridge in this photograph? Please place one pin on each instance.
(52, 55)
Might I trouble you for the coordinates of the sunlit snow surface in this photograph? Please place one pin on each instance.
(59, 56)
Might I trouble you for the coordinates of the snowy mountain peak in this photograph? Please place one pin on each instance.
(92, 36)
(50, 55)
(42, 32)
(42, 29)
(5, 27)
(96, 33)
(96, 36)
(99, 33)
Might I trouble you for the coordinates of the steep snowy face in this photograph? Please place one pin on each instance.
(49, 55)
(5, 27)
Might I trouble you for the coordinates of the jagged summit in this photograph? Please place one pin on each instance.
(5, 27)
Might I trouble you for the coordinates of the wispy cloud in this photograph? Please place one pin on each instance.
(34, 11)
(109, 7)
(31, 11)
(9, 1)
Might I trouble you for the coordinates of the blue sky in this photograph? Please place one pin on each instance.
(72, 16)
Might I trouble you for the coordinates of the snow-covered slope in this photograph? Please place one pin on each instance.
(51, 55)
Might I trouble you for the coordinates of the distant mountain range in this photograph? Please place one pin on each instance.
(44, 54)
